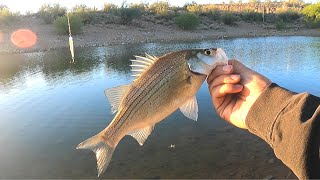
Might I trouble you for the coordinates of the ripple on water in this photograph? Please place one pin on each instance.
(48, 106)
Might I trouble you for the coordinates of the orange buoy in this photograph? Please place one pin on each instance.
(24, 38)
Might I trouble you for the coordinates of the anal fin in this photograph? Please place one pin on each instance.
(141, 135)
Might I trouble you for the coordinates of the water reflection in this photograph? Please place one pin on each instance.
(48, 106)
(268, 55)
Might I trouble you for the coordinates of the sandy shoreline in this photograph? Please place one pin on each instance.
(140, 32)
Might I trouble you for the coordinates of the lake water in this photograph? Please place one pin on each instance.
(48, 106)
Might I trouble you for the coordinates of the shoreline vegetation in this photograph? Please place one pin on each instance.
(158, 22)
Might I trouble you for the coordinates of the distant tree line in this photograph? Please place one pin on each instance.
(186, 17)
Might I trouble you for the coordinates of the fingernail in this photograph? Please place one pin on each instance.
(227, 68)
(235, 77)
(238, 86)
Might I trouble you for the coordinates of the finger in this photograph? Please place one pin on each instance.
(225, 79)
(223, 90)
(238, 67)
(219, 70)
(247, 74)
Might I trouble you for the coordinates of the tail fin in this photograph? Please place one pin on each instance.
(102, 150)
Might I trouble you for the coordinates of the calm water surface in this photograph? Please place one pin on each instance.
(48, 106)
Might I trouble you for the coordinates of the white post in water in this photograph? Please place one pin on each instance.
(70, 40)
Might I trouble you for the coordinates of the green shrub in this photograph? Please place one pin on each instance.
(229, 18)
(251, 16)
(50, 12)
(315, 23)
(61, 24)
(140, 6)
(85, 13)
(289, 16)
(271, 18)
(127, 14)
(161, 8)
(312, 15)
(7, 17)
(110, 8)
(194, 8)
(81, 9)
(280, 25)
(215, 15)
(207, 8)
(187, 21)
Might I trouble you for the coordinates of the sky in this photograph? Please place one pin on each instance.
(34, 5)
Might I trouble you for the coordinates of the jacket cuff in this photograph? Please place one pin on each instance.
(264, 111)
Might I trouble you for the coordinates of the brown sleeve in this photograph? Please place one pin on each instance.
(290, 124)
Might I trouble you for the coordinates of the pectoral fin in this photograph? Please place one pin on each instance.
(190, 109)
(115, 96)
(141, 135)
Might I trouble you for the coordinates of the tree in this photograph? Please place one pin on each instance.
(312, 15)
(51, 12)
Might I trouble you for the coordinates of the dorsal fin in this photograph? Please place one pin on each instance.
(140, 64)
(154, 58)
(115, 96)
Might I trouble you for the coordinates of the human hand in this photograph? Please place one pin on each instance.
(234, 88)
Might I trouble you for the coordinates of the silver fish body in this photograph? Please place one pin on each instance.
(162, 86)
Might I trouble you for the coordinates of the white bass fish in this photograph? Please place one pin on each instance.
(162, 85)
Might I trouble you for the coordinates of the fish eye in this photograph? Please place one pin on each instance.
(207, 52)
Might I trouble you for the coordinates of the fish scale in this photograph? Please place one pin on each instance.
(147, 83)
(133, 96)
(161, 87)
(135, 107)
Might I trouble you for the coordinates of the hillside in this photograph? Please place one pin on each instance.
(106, 30)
